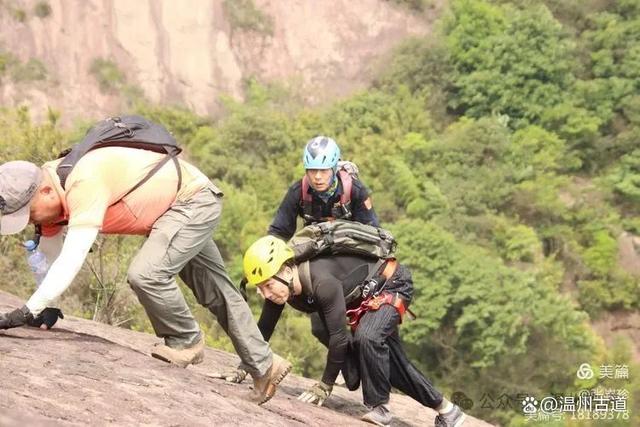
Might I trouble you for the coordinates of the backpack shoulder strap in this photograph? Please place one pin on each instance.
(347, 187)
(155, 169)
(344, 210)
(304, 272)
(305, 196)
(306, 200)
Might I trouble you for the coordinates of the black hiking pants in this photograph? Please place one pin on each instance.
(384, 364)
(376, 352)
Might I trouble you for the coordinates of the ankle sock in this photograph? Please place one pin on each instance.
(445, 407)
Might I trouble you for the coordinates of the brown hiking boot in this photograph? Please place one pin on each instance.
(265, 387)
(181, 357)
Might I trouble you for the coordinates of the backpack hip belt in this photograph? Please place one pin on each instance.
(377, 298)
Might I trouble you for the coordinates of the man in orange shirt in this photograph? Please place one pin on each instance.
(179, 223)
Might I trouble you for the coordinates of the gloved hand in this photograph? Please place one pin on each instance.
(233, 376)
(15, 318)
(47, 318)
(316, 394)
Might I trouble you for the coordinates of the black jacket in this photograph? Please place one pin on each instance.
(333, 277)
(284, 222)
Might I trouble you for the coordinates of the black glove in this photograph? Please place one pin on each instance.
(15, 318)
(48, 317)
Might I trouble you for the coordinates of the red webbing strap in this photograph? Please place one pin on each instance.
(375, 303)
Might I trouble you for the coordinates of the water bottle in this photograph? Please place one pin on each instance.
(37, 261)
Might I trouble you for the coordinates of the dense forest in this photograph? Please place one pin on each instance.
(502, 152)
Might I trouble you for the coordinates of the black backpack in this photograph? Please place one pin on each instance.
(123, 131)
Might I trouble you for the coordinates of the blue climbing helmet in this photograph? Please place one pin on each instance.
(321, 152)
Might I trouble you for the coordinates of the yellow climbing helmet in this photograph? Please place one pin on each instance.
(264, 258)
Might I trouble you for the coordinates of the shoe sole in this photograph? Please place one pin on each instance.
(460, 421)
(273, 385)
(196, 360)
(369, 420)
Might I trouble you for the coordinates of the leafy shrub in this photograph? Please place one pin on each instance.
(32, 70)
(626, 177)
(507, 61)
(7, 61)
(107, 74)
(19, 14)
(613, 293)
(518, 243)
(416, 5)
(244, 15)
(42, 9)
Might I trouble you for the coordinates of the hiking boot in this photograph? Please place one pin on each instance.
(454, 418)
(181, 357)
(379, 415)
(265, 387)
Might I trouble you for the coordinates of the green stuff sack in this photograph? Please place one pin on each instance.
(342, 237)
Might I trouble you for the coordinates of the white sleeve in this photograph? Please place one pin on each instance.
(64, 269)
(51, 246)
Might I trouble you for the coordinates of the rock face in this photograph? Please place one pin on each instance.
(189, 53)
(86, 373)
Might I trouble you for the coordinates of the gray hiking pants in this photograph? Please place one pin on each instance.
(181, 243)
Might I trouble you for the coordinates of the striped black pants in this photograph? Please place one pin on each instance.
(384, 364)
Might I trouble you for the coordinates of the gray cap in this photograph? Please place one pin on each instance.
(19, 181)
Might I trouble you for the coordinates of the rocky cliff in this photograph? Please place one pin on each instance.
(79, 56)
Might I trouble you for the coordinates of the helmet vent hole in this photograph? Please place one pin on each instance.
(270, 260)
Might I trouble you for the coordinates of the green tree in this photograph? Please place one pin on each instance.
(508, 61)
(466, 163)
(626, 177)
